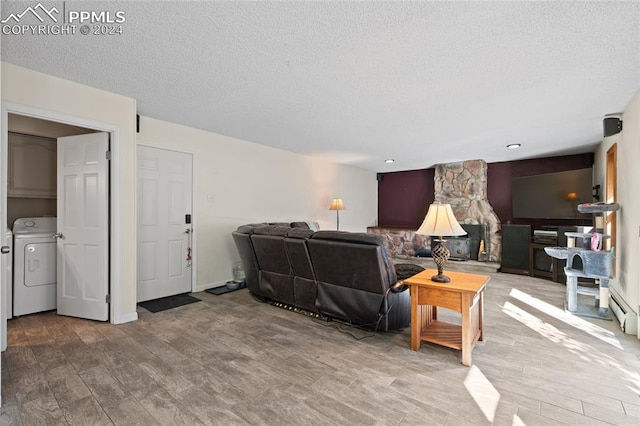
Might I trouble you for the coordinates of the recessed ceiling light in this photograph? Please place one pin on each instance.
(514, 145)
(389, 160)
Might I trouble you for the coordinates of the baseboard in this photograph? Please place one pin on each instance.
(627, 318)
(126, 318)
(204, 287)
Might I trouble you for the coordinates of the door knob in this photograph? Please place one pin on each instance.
(57, 235)
(5, 250)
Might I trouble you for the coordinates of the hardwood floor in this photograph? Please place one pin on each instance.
(232, 360)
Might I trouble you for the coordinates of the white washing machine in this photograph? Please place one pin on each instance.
(34, 265)
(8, 279)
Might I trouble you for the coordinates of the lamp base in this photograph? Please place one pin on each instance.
(440, 278)
(440, 255)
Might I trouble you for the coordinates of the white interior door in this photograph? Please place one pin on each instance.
(5, 284)
(83, 226)
(165, 183)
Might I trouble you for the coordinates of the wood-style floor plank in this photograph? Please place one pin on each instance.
(234, 361)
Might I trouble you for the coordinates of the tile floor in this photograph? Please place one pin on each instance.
(232, 360)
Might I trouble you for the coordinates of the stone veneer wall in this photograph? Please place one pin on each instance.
(401, 242)
(464, 186)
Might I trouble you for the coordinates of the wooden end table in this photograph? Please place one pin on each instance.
(464, 294)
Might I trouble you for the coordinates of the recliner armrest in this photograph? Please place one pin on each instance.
(399, 287)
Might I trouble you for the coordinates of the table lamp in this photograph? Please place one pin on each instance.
(337, 204)
(440, 222)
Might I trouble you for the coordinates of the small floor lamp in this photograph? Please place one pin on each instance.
(337, 204)
(440, 222)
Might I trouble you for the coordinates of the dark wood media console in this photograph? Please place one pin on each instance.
(523, 255)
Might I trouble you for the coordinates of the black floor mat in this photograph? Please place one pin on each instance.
(224, 289)
(169, 302)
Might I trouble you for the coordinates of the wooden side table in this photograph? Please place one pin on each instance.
(464, 294)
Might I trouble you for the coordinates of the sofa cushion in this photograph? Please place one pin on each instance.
(248, 258)
(349, 265)
(362, 238)
(275, 230)
(304, 284)
(300, 233)
(276, 277)
(314, 226)
(298, 253)
(246, 229)
(350, 304)
(350, 237)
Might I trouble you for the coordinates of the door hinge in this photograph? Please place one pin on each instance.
(108, 298)
(108, 155)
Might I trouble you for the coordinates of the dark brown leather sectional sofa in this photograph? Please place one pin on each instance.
(342, 275)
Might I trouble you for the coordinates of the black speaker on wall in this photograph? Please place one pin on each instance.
(379, 177)
(588, 158)
(612, 125)
(515, 249)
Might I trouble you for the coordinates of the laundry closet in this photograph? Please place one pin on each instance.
(31, 213)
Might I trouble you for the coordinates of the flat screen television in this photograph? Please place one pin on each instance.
(552, 195)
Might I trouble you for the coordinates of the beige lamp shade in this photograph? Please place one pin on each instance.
(440, 221)
(337, 204)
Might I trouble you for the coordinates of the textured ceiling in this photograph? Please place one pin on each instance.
(360, 82)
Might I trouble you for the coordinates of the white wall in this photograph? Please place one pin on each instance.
(249, 182)
(255, 183)
(47, 129)
(3, 266)
(65, 98)
(627, 281)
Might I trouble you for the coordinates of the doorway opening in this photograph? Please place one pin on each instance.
(611, 194)
(43, 255)
(26, 116)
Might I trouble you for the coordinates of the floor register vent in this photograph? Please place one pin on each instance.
(626, 317)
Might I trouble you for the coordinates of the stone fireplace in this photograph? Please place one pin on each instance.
(464, 186)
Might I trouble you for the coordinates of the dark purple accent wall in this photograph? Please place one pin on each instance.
(404, 197)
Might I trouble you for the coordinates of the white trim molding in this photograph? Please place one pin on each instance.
(125, 318)
(624, 314)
